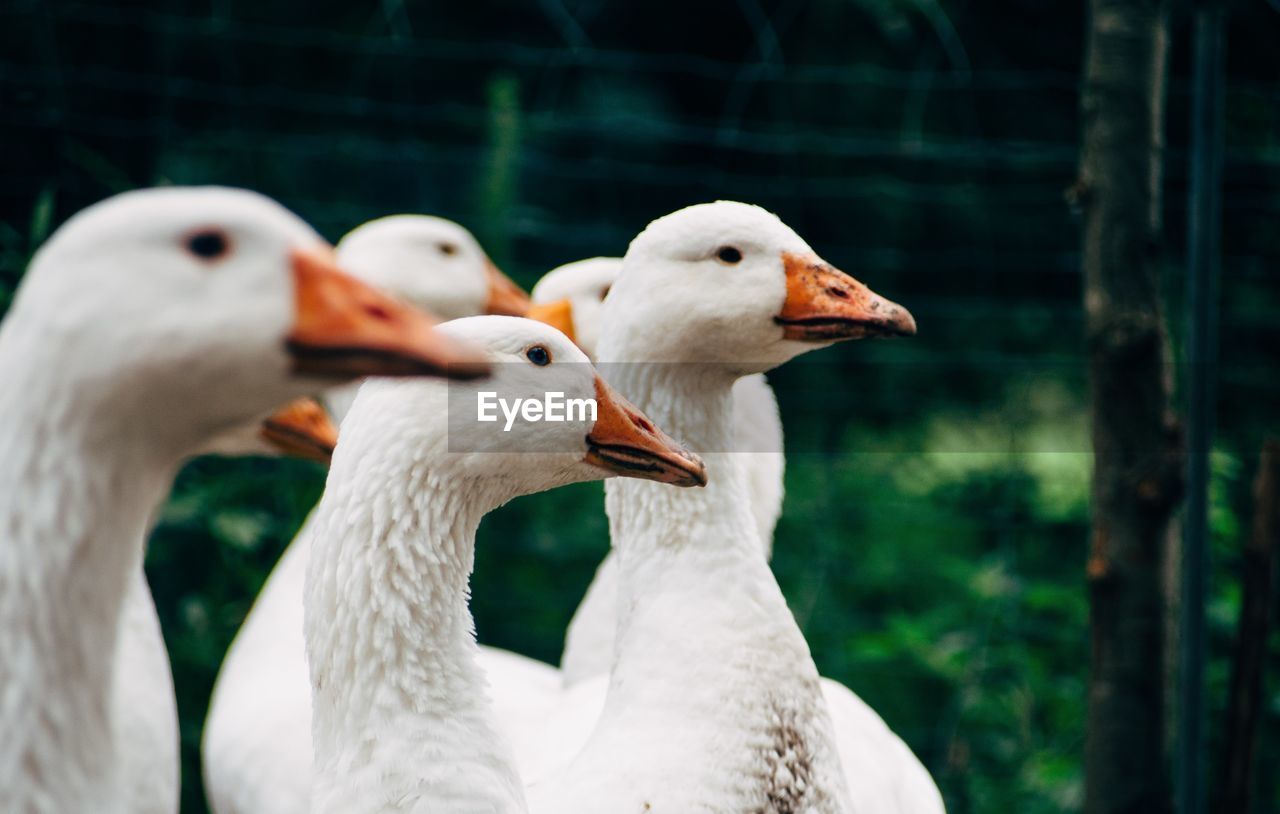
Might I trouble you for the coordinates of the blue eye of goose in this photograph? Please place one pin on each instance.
(539, 355)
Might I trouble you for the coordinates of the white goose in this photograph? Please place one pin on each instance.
(571, 297)
(713, 702)
(402, 722)
(144, 327)
(256, 750)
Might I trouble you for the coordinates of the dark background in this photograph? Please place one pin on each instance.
(933, 540)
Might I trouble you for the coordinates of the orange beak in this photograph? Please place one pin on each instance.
(626, 443)
(345, 329)
(558, 315)
(301, 428)
(826, 305)
(505, 297)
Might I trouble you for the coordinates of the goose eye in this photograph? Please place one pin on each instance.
(539, 355)
(728, 254)
(604, 292)
(448, 249)
(208, 244)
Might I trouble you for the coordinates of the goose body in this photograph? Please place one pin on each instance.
(713, 702)
(402, 719)
(256, 749)
(117, 353)
(882, 773)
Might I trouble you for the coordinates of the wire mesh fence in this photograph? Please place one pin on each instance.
(934, 534)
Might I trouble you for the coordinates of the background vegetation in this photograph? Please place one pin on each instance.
(933, 541)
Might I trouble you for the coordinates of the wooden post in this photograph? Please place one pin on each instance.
(1137, 477)
(1244, 704)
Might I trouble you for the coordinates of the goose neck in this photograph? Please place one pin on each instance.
(682, 548)
(692, 402)
(651, 523)
(705, 642)
(75, 500)
(401, 711)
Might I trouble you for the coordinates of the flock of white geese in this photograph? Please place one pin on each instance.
(162, 324)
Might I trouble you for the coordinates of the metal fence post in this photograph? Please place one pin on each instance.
(1203, 259)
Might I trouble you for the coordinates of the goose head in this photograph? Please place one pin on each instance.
(433, 263)
(200, 308)
(730, 284)
(526, 450)
(571, 298)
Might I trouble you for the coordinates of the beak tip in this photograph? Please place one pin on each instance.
(693, 472)
(906, 324)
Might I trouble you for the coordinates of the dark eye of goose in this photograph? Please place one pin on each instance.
(604, 292)
(208, 244)
(448, 249)
(728, 254)
(539, 355)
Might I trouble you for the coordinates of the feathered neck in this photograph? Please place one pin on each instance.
(402, 719)
(706, 644)
(78, 482)
(655, 528)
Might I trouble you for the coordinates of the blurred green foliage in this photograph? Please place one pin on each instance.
(934, 533)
